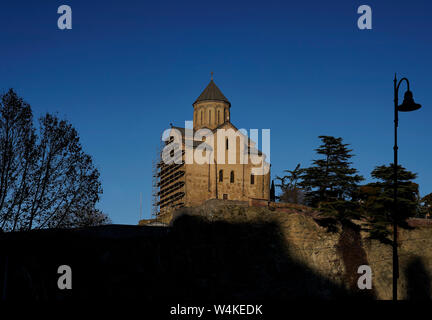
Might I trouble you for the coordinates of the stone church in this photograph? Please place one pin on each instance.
(213, 159)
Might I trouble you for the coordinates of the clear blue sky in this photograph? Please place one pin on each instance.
(301, 68)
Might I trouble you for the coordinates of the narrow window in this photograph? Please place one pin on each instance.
(220, 175)
(226, 143)
(218, 119)
(252, 178)
(201, 116)
(232, 177)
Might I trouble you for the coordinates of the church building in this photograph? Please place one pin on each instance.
(213, 159)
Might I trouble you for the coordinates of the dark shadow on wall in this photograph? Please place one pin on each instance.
(418, 280)
(194, 260)
(350, 249)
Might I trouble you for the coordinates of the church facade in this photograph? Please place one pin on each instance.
(211, 159)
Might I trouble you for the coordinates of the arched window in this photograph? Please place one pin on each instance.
(252, 178)
(218, 118)
(209, 116)
(232, 177)
(220, 175)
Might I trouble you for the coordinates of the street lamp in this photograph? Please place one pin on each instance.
(407, 105)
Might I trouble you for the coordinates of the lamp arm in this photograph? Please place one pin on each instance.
(400, 81)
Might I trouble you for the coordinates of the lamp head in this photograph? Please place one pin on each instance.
(408, 103)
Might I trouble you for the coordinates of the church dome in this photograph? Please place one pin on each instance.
(212, 93)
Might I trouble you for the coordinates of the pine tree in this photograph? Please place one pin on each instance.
(331, 178)
(272, 192)
(331, 184)
(378, 203)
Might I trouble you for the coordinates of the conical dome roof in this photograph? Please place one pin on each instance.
(212, 92)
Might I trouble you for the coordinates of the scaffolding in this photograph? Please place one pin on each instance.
(155, 180)
(168, 182)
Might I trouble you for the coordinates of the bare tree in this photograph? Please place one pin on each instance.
(290, 191)
(46, 180)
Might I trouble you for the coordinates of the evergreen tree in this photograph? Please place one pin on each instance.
(331, 178)
(426, 206)
(272, 192)
(378, 203)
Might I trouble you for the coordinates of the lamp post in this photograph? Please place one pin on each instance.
(407, 105)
